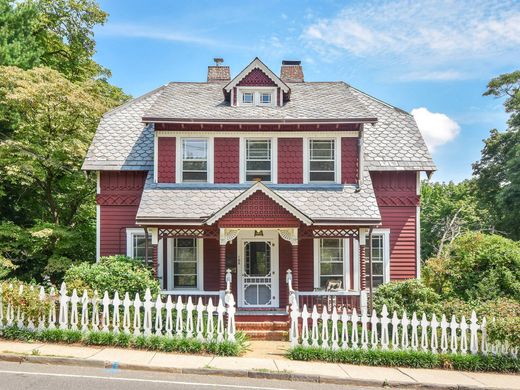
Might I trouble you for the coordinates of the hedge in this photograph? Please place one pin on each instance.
(123, 340)
(414, 359)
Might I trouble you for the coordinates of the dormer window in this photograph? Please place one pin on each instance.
(265, 98)
(248, 97)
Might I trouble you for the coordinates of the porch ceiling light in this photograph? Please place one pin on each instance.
(259, 233)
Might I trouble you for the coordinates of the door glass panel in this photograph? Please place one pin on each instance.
(258, 258)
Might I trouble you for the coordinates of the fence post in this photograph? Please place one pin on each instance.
(344, 328)
(84, 311)
(64, 307)
(116, 320)
(126, 313)
(424, 333)
(169, 317)
(158, 315)
(105, 316)
(74, 310)
(384, 328)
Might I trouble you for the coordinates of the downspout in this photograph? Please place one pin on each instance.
(370, 279)
(146, 246)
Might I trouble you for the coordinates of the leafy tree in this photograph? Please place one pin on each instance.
(498, 171)
(56, 120)
(447, 211)
(477, 267)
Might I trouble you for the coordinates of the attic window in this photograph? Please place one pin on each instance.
(265, 98)
(247, 98)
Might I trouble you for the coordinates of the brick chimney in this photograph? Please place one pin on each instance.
(291, 72)
(218, 73)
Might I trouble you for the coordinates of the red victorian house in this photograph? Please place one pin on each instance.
(261, 174)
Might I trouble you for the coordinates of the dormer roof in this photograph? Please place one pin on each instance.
(257, 64)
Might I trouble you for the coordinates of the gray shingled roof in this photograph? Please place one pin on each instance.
(198, 202)
(122, 140)
(394, 142)
(309, 101)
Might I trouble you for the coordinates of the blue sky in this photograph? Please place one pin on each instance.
(431, 58)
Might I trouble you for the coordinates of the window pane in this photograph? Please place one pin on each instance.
(258, 176)
(378, 267)
(139, 247)
(332, 269)
(185, 267)
(265, 98)
(247, 97)
(322, 149)
(322, 166)
(260, 149)
(195, 149)
(325, 279)
(331, 261)
(194, 176)
(258, 165)
(321, 176)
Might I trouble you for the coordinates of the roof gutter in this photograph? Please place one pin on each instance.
(257, 121)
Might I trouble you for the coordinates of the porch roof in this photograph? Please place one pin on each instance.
(323, 204)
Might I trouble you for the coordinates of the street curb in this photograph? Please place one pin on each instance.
(285, 376)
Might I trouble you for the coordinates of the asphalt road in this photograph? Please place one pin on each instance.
(30, 376)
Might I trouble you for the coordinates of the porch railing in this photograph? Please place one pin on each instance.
(325, 299)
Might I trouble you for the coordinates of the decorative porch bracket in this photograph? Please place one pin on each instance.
(290, 234)
(227, 235)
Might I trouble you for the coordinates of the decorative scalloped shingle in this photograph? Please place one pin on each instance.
(335, 202)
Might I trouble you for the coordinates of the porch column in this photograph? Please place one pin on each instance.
(362, 260)
(222, 267)
(155, 260)
(294, 258)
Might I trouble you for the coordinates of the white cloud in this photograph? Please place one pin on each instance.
(436, 128)
(440, 75)
(423, 37)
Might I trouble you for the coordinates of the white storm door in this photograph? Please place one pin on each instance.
(258, 276)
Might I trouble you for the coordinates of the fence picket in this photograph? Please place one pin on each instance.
(147, 318)
(220, 320)
(484, 347)
(158, 315)
(293, 330)
(178, 323)
(41, 314)
(189, 318)
(434, 345)
(374, 335)
(384, 328)
(305, 326)
(344, 328)
(127, 303)
(355, 336)
(404, 333)
(325, 316)
(364, 329)
(137, 315)
(424, 333)
(231, 309)
(84, 311)
(116, 302)
(473, 327)
(30, 320)
(168, 326)
(74, 299)
(210, 326)
(415, 338)
(200, 320)
(395, 330)
(105, 316)
(315, 336)
(463, 335)
(19, 314)
(95, 311)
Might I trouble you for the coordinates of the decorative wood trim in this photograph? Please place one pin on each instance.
(189, 232)
(329, 232)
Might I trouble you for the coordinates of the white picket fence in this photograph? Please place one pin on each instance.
(183, 319)
(343, 330)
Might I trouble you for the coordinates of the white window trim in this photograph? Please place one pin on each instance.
(130, 233)
(200, 265)
(386, 253)
(274, 158)
(256, 91)
(346, 263)
(178, 159)
(306, 159)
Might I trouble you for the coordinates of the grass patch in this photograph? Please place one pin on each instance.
(123, 340)
(414, 359)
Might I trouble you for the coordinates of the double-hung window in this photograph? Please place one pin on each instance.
(248, 98)
(322, 160)
(265, 98)
(186, 263)
(331, 263)
(195, 160)
(258, 160)
(380, 259)
(136, 244)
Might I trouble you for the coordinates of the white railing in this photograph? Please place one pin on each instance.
(343, 330)
(182, 318)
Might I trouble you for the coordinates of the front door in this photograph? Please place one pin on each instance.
(258, 272)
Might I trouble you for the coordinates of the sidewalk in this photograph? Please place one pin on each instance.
(266, 360)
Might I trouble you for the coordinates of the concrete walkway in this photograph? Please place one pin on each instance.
(264, 360)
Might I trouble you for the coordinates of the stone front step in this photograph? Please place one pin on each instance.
(262, 325)
(269, 335)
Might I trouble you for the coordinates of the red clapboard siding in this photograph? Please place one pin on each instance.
(398, 201)
(306, 265)
(227, 160)
(211, 265)
(166, 159)
(349, 160)
(290, 160)
(119, 197)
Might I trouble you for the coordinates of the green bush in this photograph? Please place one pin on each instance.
(114, 273)
(477, 267)
(153, 342)
(415, 359)
(29, 301)
(410, 295)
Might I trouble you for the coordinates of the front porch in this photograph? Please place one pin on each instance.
(263, 265)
